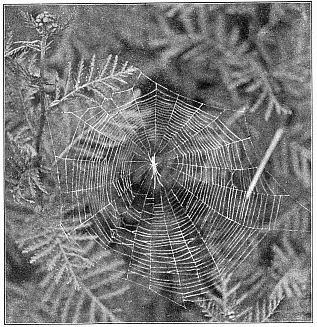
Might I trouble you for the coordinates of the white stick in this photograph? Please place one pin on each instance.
(269, 151)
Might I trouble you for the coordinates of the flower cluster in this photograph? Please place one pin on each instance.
(45, 23)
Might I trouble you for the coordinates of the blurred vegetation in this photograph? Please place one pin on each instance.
(254, 56)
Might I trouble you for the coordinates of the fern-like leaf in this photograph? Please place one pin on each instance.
(228, 307)
(263, 309)
(294, 269)
(292, 276)
(88, 302)
(253, 74)
(97, 78)
(80, 278)
(58, 251)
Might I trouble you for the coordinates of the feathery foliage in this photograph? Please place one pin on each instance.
(258, 296)
(255, 56)
(101, 79)
(253, 71)
(98, 280)
(77, 278)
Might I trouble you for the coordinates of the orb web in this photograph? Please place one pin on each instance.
(163, 180)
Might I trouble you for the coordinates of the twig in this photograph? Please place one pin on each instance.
(269, 151)
(42, 95)
(38, 160)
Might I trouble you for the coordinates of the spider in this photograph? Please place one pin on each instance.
(156, 175)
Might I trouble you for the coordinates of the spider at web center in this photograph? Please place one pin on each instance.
(155, 173)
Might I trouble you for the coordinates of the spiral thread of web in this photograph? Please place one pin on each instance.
(165, 181)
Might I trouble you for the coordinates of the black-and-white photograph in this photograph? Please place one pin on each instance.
(157, 162)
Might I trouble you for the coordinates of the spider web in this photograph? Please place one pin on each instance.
(163, 180)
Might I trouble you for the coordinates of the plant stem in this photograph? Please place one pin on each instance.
(42, 97)
(38, 160)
